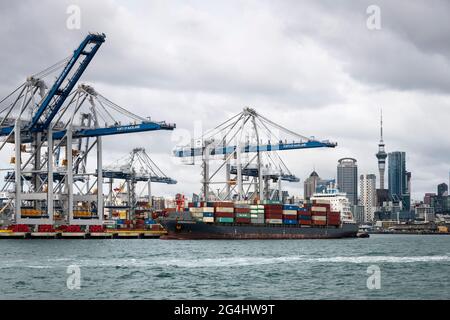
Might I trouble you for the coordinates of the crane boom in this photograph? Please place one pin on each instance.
(61, 89)
(193, 152)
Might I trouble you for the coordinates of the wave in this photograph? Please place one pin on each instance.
(234, 261)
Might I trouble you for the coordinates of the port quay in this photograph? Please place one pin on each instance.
(226, 159)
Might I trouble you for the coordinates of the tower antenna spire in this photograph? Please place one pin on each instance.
(381, 125)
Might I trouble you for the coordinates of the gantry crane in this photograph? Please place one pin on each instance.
(246, 135)
(134, 168)
(43, 127)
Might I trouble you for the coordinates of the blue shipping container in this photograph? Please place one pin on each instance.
(290, 221)
(302, 209)
(290, 207)
(120, 221)
(208, 214)
(304, 217)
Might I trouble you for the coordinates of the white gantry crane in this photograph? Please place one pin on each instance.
(246, 148)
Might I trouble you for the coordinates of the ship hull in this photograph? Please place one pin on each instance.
(190, 230)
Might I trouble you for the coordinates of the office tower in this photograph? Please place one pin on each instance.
(310, 185)
(368, 199)
(347, 179)
(399, 179)
(442, 190)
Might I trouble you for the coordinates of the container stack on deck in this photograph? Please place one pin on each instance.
(257, 214)
(274, 213)
(304, 216)
(290, 214)
(265, 212)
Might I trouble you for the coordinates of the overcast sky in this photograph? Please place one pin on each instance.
(311, 66)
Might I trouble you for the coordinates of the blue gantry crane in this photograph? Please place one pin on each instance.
(53, 132)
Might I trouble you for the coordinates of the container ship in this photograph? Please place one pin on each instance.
(260, 220)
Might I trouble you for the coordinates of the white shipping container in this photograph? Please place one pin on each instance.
(225, 209)
(254, 216)
(274, 221)
(318, 209)
(208, 219)
(319, 218)
(197, 214)
(208, 209)
(291, 212)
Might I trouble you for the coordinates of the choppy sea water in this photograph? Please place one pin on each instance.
(411, 267)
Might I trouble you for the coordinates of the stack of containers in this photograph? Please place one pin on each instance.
(274, 213)
(334, 218)
(304, 216)
(224, 212)
(208, 212)
(290, 214)
(319, 212)
(257, 213)
(196, 211)
(242, 213)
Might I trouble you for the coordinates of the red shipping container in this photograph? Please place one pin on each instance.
(319, 223)
(273, 207)
(274, 216)
(305, 222)
(275, 211)
(289, 216)
(224, 215)
(242, 210)
(242, 220)
(318, 214)
(223, 204)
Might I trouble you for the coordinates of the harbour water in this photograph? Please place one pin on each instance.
(411, 267)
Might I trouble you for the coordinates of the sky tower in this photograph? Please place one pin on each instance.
(381, 155)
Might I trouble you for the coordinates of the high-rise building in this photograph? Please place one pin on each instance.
(381, 155)
(310, 185)
(347, 179)
(399, 179)
(314, 184)
(442, 190)
(368, 199)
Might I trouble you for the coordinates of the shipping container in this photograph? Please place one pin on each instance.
(303, 217)
(318, 209)
(224, 215)
(224, 209)
(242, 220)
(290, 207)
(290, 212)
(289, 221)
(274, 221)
(224, 220)
(289, 216)
(243, 215)
(223, 204)
(274, 216)
(208, 214)
(305, 222)
(208, 219)
(208, 209)
(319, 218)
